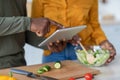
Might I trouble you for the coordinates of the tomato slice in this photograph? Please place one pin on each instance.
(71, 78)
(88, 76)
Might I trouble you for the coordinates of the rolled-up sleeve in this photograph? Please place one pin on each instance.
(13, 25)
(97, 35)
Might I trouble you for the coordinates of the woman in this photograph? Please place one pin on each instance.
(73, 13)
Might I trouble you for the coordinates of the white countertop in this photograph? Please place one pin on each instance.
(108, 72)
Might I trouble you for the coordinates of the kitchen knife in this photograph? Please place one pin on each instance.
(32, 75)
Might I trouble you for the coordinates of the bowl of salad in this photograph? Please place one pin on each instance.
(93, 57)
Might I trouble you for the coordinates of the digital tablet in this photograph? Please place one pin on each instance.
(66, 33)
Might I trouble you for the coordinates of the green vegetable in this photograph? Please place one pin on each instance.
(82, 58)
(99, 56)
(40, 71)
(95, 53)
(44, 69)
(57, 65)
(101, 60)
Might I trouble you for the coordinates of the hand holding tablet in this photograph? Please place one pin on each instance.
(60, 34)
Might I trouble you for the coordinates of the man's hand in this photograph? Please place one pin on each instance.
(107, 45)
(41, 26)
(57, 46)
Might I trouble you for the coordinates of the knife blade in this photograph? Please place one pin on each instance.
(32, 75)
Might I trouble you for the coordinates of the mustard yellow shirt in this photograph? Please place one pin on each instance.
(72, 13)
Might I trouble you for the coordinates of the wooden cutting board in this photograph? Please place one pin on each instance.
(69, 69)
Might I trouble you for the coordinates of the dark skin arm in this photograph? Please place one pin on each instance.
(75, 40)
(60, 45)
(104, 44)
(57, 46)
(41, 26)
(107, 45)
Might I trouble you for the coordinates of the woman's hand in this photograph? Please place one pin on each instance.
(75, 40)
(60, 45)
(57, 46)
(107, 45)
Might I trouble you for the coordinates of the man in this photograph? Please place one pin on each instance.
(13, 27)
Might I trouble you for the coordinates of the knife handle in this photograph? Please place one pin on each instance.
(23, 72)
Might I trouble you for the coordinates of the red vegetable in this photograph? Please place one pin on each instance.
(88, 76)
(71, 78)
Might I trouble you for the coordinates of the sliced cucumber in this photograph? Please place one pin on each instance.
(57, 65)
(40, 71)
(46, 68)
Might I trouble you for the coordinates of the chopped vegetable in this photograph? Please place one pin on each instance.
(93, 57)
(40, 71)
(10, 77)
(90, 58)
(88, 76)
(44, 69)
(57, 65)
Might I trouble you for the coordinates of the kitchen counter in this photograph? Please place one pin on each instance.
(111, 71)
(107, 72)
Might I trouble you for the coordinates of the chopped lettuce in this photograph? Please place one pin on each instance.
(100, 57)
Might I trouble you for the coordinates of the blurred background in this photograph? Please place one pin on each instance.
(109, 18)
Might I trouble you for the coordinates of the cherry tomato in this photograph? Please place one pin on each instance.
(71, 78)
(88, 76)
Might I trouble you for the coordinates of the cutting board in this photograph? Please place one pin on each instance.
(69, 69)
